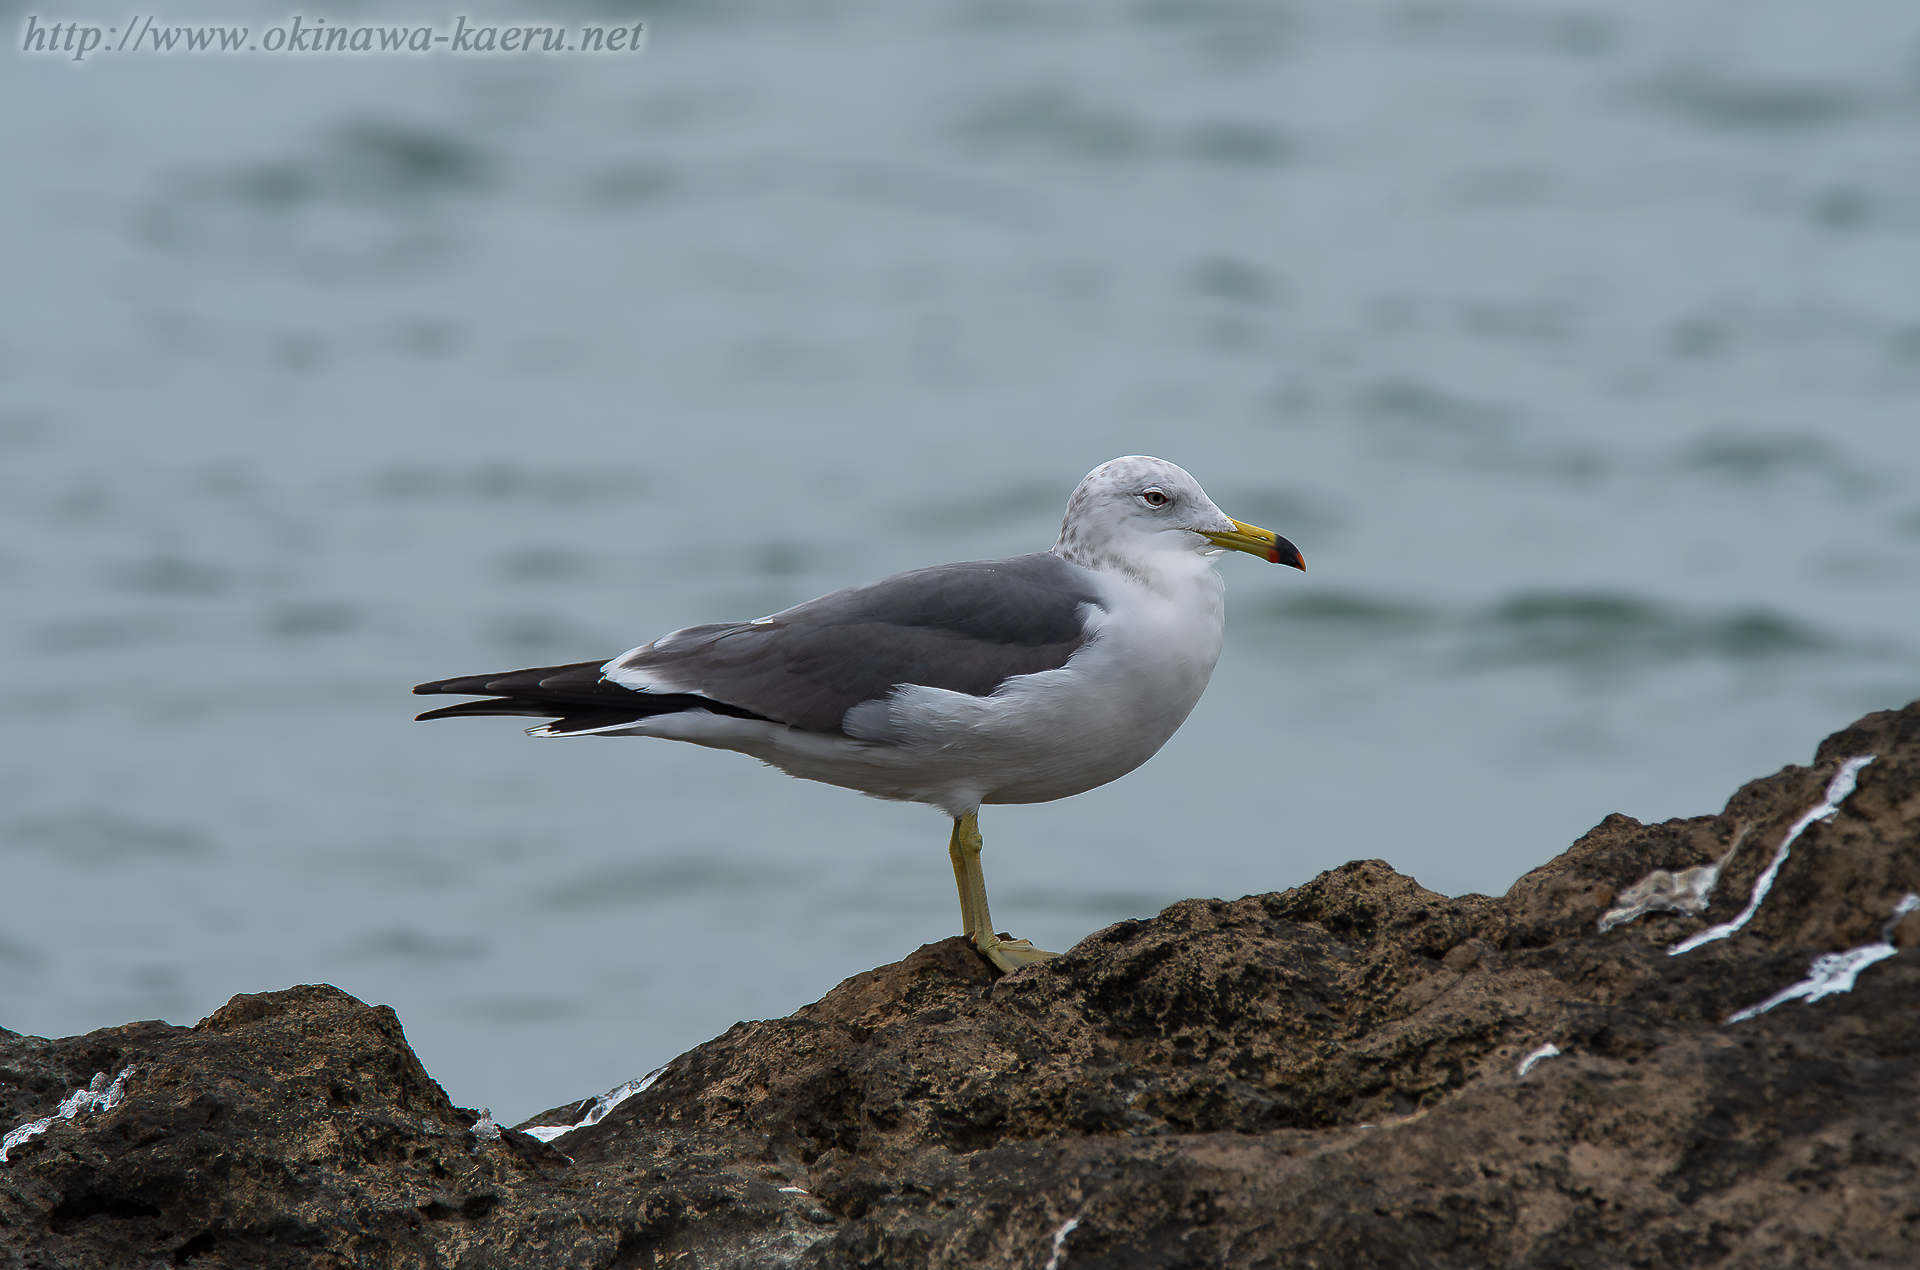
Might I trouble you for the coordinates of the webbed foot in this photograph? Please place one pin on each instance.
(1011, 954)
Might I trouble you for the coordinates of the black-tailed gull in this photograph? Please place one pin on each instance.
(992, 681)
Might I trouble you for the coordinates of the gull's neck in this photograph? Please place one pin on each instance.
(1166, 569)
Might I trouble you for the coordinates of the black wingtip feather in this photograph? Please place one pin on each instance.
(593, 720)
(579, 681)
(575, 696)
(493, 705)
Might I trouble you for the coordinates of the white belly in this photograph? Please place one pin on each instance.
(1039, 737)
(1063, 732)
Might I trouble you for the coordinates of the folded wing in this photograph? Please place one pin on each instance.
(963, 627)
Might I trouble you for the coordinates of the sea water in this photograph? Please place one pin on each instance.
(1577, 346)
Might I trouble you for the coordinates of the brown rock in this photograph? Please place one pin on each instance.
(1323, 1077)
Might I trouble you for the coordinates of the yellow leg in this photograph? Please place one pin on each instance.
(1008, 954)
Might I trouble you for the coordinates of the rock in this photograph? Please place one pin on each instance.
(1322, 1077)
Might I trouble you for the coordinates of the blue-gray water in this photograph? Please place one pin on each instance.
(1578, 346)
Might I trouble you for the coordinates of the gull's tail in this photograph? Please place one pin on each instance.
(575, 697)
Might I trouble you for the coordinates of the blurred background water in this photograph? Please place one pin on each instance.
(1577, 345)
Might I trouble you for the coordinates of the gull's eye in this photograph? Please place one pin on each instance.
(1154, 498)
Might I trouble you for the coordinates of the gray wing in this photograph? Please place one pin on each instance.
(963, 627)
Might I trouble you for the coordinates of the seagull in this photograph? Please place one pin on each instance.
(990, 681)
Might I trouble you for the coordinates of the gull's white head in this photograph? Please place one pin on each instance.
(1128, 510)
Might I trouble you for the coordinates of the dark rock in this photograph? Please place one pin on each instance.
(1324, 1077)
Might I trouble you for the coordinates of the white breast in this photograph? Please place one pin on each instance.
(1062, 732)
(1038, 737)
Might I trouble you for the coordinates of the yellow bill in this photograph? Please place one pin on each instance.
(1256, 541)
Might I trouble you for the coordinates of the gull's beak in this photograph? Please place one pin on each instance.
(1256, 541)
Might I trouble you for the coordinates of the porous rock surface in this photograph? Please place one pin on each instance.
(1322, 1077)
